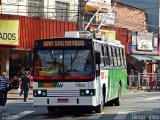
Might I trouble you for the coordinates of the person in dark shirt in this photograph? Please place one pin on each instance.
(4, 82)
(25, 83)
(88, 67)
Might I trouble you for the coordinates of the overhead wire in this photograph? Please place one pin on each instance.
(70, 11)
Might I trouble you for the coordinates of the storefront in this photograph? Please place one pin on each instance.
(143, 52)
(14, 61)
(17, 36)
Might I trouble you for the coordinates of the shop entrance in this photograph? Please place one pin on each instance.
(20, 61)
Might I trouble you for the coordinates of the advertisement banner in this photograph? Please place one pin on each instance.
(109, 34)
(9, 32)
(144, 41)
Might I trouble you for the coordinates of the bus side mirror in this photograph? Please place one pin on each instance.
(98, 58)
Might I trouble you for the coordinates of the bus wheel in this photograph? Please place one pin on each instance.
(50, 109)
(100, 107)
(116, 101)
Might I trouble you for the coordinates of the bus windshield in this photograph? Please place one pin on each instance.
(64, 64)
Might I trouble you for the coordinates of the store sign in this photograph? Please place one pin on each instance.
(9, 32)
(110, 20)
(144, 41)
(12, 1)
(109, 34)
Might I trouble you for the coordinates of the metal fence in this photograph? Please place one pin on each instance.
(147, 81)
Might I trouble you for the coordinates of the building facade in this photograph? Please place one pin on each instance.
(49, 9)
(17, 41)
(18, 56)
(152, 9)
(125, 19)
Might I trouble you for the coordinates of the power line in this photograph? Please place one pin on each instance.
(75, 12)
(48, 8)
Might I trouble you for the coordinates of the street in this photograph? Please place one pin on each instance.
(135, 105)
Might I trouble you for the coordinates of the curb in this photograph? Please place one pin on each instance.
(18, 98)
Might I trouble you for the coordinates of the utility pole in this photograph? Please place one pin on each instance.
(80, 20)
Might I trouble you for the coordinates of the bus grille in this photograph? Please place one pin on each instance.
(58, 93)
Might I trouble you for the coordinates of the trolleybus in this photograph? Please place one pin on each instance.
(78, 71)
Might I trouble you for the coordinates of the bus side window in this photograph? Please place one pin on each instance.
(102, 57)
(114, 56)
(118, 56)
(124, 57)
(110, 56)
(107, 55)
(121, 58)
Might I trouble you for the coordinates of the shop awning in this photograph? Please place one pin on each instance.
(143, 57)
(155, 57)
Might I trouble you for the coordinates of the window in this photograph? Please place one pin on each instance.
(88, 16)
(36, 8)
(117, 56)
(58, 63)
(124, 57)
(114, 56)
(110, 56)
(121, 57)
(103, 56)
(107, 56)
(62, 10)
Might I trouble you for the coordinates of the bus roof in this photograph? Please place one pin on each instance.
(89, 35)
(109, 42)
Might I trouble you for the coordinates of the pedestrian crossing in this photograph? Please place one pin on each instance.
(109, 113)
(125, 115)
(6, 116)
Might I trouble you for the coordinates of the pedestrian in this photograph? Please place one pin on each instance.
(131, 78)
(25, 84)
(4, 83)
(20, 89)
(31, 79)
(156, 78)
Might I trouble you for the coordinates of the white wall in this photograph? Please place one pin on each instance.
(13, 7)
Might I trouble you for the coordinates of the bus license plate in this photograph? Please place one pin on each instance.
(62, 100)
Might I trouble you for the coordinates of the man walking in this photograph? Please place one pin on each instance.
(25, 83)
(4, 82)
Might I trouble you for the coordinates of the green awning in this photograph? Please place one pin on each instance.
(155, 57)
(143, 57)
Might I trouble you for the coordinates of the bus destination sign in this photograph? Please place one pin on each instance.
(63, 43)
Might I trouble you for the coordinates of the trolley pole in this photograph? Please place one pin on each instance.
(80, 20)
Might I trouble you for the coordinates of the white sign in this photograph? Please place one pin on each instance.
(110, 18)
(12, 1)
(100, 3)
(144, 41)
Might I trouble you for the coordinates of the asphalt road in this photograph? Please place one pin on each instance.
(134, 106)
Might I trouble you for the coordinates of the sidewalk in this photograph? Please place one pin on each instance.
(13, 94)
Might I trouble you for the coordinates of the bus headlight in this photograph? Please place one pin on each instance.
(39, 93)
(87, 92)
